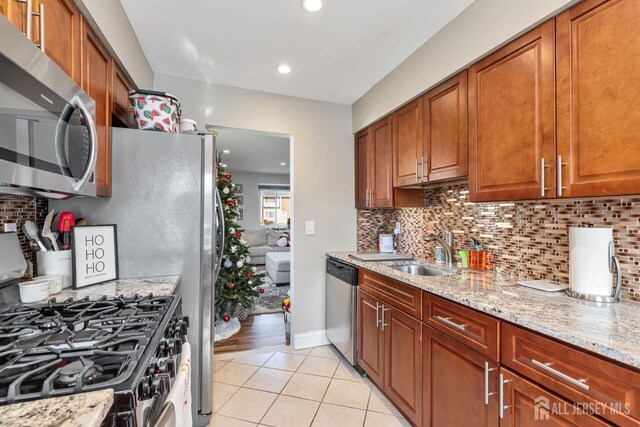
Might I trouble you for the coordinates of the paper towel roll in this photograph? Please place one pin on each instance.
(589, 260)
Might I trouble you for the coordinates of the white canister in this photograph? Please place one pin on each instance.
(55, 283)
(34, 290)
(56, 263)
(187, 125)
(386, 243)
(591, 256)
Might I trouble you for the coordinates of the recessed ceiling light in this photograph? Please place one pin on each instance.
(283, 164)
(226, 151)
(312, 5)
(284, 69)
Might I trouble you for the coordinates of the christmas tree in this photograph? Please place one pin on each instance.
(239, 283)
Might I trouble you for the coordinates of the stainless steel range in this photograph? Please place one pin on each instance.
(131, 345)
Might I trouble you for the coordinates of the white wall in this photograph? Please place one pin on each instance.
(250, 194)
(322, 176)
(477, 30)
(116, 28)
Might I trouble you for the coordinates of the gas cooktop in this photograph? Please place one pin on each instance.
(60, 348)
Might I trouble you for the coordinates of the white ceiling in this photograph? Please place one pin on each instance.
(252, 151)
(336, 54)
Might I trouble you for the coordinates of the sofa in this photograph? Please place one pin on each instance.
(261, 242)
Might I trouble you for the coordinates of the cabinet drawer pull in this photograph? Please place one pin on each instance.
(547, 367)
(422, 177)
(447, 321)
(502, 405)
(560, 165)
(543, 187)
(417, 163)
(486, 382)
(383, 310)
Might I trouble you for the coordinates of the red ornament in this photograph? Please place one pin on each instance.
(261, 290)
(226, 318)
(232, 286)
(231, 202)
(238, 234)
(223, 181)
(249, 274)
(228, 176)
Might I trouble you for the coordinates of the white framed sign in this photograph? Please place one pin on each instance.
(95, 254)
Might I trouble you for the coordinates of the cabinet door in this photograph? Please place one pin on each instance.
(598, 51)
(363, 168)
(370, 338)
(403, 362)
(96, 81)
(382, 176)
(512, 120)
(445, 126)
(15, 12)
(121, 108)
(407, 144)
(61, 35)
(528, 405)
(455, 391)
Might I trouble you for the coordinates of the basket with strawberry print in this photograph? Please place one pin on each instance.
(155, 110)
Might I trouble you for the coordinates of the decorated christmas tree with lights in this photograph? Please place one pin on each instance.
(239, 283)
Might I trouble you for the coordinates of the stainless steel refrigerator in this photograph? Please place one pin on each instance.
(164, 204)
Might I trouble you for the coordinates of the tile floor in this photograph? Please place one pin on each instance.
(289, 388)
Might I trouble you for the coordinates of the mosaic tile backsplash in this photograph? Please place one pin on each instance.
(527, 240)
(18, 209)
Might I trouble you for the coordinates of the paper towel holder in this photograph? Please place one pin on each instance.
(614, 263)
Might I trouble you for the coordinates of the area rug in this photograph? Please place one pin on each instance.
(271, 300)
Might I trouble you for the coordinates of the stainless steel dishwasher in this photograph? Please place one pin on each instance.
(341, 309)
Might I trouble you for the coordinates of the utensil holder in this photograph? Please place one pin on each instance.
(56, 263)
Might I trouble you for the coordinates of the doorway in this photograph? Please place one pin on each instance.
(257, 165)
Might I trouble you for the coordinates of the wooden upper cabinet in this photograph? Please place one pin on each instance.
(15, 12)
(122, 111)
(61, 34)
(512, 120)
(96, 81)
(445, 127)
(598, 57)
(454, 387)
(407, 144)
(363, 168)
(382, 177)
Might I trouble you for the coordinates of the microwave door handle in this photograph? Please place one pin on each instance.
(93, 137)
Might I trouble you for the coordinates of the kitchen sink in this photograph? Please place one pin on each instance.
(419, 270)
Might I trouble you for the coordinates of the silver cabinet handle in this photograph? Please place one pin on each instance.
(543, 187)
(486, 382)
(383, 310)
(547, 367)
(559, 173)
(422, 177)
(40, 16)
(501, 403)
(417, 163)
(447, 321)
(29, 23)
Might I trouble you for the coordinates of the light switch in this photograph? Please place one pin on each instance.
(310, 228)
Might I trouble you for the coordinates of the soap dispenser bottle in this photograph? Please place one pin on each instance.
(477, 256)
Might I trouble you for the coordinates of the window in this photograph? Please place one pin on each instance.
(275, 205)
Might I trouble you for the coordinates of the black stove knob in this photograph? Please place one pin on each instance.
(184, 319)
(181, 326)
(160, 384)
(167, 366)
(145, 388)
(170, 346)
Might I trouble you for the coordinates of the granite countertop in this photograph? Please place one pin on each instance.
(611, 330)
(75, 410)
(161, 285)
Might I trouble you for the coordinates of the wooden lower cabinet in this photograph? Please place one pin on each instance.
(454, 389)
(370, 338)
(529, 405)
(403, 362)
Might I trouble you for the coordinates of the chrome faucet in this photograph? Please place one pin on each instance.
(447, 243)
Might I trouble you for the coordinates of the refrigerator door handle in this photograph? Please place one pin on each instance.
(220, 212)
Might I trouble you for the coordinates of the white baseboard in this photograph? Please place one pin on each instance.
(311, 339)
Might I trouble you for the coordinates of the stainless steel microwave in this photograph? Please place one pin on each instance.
(48, 139)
